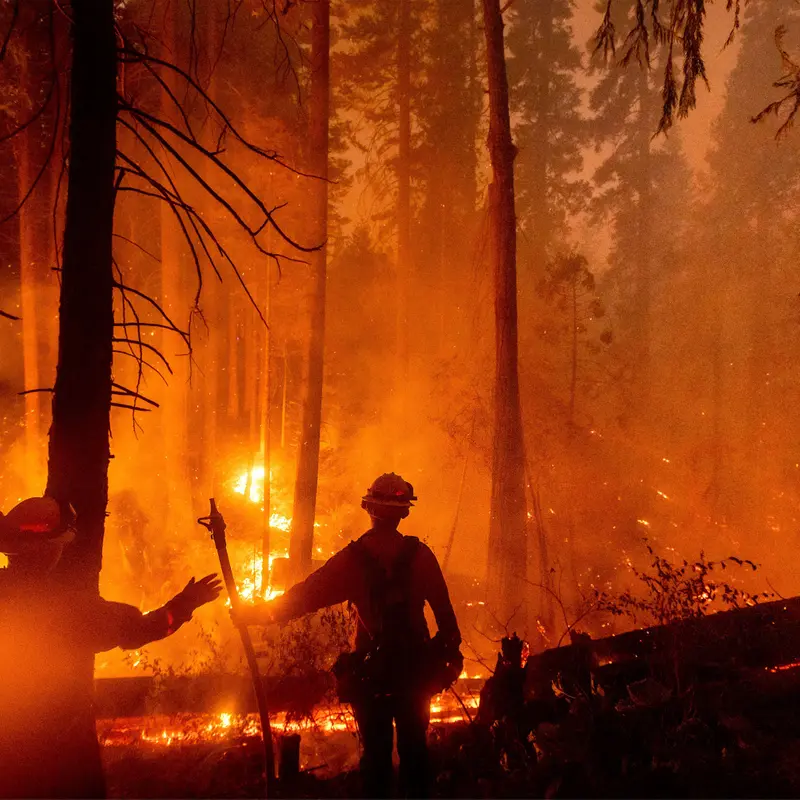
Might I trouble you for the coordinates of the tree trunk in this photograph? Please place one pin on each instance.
(35, 246)
(29, 281)
(174, 405)
(508, 549)
(643, 290)
(266, 429)
(573, 374)
(404, 266)
(540, 155)
(305, 491)
(213, 297)
(79, 436)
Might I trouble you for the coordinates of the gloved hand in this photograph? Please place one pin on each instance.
(198, 593)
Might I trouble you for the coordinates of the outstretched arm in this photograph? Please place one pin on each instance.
(122, 625)
(328, 586)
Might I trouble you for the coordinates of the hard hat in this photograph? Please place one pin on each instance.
(37, 518)
(390, 490)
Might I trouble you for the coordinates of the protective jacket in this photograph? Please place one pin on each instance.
(345, 577)
(48, 744)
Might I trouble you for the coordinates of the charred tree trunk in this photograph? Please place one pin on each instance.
(79, 437)
(508, 551)
(305, 492)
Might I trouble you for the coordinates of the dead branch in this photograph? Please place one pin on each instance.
(143, 362)
(146, 346)
(119, 285)
(53, 91)
(124, 390)
(133, 408)
(151, 123)
(137, 246)
(11, 25)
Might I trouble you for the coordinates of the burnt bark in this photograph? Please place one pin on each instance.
(305, 492)
(508, 548)
(79, 437)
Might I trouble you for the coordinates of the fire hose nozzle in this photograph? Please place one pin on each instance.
(214, 522)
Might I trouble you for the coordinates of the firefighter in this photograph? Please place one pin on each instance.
(396, 667)
(48, 741)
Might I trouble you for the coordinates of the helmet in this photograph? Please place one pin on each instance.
(390, 490)
(33, 519)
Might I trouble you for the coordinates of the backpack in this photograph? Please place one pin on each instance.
(396, 660)
(392, 661)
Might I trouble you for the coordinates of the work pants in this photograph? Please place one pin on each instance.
(410, 713)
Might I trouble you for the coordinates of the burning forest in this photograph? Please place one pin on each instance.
(475, 322)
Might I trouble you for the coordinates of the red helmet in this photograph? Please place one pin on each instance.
(34, 519)
(390, 490)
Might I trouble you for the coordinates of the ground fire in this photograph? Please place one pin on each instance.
(476, 322)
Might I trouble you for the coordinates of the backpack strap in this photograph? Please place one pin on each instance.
(401, 574)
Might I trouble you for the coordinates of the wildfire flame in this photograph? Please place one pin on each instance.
(254, 479)
(251, 587)
(251, 483)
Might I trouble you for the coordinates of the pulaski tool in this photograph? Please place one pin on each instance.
(215, 523)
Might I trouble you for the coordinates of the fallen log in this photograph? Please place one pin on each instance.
(762, 636)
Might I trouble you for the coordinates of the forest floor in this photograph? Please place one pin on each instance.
(738, 736)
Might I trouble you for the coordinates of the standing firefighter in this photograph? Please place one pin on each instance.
(48, 743)
(396, 667)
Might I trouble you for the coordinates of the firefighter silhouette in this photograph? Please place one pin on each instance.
(48, 741)
(396, 667)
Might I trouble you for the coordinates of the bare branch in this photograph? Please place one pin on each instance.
(11, 25)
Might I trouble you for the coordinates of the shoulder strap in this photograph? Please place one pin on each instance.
(401, 574)
(376, 575)
(379, 582)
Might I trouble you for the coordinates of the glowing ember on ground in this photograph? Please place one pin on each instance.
(195, 729)
(783, 667)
